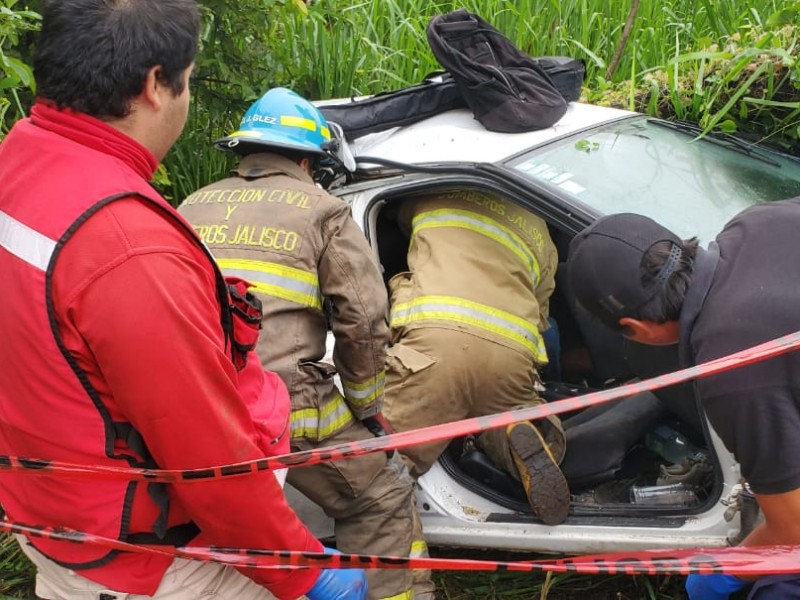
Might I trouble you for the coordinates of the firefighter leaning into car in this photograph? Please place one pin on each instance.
(642, 280)
(300, 248)
(467, 321)
(115, 325)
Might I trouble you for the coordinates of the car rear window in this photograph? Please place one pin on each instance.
(692, 186)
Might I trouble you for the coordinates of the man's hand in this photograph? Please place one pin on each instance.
(378, 425)
(712, 587)
(339, 584)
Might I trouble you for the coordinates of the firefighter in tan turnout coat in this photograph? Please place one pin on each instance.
(466, 324)
(300, 249)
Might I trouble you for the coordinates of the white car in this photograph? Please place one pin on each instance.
(594, 161)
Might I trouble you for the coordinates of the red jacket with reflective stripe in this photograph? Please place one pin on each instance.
(110, 315)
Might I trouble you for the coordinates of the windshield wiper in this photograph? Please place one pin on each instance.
(719, 138)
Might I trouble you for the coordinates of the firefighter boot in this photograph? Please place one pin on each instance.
(544, 483)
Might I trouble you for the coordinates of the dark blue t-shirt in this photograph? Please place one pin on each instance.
(754, 296)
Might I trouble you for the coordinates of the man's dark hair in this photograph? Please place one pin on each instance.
(248, 148)
(313, 158)
(665, 305)
(93, 55)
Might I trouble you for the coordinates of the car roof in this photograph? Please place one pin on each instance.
(456, 136)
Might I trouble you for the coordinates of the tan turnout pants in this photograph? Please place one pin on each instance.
(436, 375)
(370, 500)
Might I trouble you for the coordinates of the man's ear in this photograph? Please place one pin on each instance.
(305, 164)
(153, 87)
(649, 332)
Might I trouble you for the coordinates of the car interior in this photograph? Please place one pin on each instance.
(643, 453)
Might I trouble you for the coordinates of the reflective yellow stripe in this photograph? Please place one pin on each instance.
(303, 123)
(362, 394)
(458, 310)
(407, 595)
(277, 280)
(316, 424)
(419, 549)
(478, 223)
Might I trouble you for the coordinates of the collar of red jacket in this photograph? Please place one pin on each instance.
(93, 133)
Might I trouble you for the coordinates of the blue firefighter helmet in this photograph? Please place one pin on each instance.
(280, 119)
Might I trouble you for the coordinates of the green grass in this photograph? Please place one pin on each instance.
(467, 585)
(16, 572)
(474, 585)
(565, 586)
(16, 581)
(726, 64)
(341, 47)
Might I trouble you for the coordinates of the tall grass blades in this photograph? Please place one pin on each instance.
(343, 47)
(687, 59)
(16, 572)
(730, 65)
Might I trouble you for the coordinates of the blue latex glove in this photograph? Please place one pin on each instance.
(712, 587)
(339, 584)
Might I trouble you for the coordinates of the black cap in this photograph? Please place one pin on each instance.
(604, 266)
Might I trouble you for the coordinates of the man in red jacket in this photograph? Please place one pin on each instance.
(120, 345)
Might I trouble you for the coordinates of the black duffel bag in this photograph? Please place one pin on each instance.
(440, 92)
(505, 88)
(437, 94)
(567, 74)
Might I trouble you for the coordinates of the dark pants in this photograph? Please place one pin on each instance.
(776, 587)
(615, 427)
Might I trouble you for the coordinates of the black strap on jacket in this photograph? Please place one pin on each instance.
(178, 535)
(125, 431)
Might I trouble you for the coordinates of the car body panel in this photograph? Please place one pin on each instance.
(455, 136)
(454, 516)
(456, 151)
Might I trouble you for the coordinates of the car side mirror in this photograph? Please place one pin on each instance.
(339, 162)
(339, 149)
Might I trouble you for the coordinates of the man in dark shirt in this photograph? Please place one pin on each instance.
(642, 280)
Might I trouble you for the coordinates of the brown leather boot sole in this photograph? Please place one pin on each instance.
(544, 483)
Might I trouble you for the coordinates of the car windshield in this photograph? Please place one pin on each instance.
(692, 186)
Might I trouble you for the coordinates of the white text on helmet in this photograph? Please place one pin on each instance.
(260, 119)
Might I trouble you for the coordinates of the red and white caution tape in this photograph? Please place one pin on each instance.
(773, 560)
(44, 467)
(736, 561)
